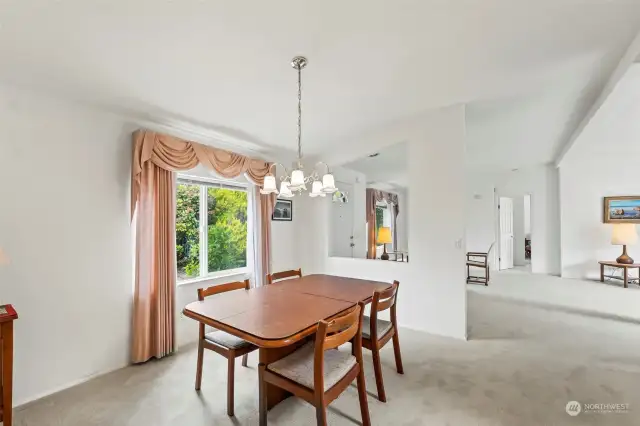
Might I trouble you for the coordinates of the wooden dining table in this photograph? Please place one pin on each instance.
(280, 317)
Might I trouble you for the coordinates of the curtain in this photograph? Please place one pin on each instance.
(373, 196)
(264, 209)
(155, 280)
(156, 158)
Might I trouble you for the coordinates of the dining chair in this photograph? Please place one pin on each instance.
(278, 276)
(376, 333)
(318, 372)
(223, 343)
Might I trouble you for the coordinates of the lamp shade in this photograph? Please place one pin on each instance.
(624, 234)
(316, 189)
(285, 192)
(269, 186)
(297, 179)
(328, 183)
(384, 235)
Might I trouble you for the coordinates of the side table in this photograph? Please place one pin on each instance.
(623, 266)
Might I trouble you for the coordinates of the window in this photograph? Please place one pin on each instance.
(221, 244)
(383, 217)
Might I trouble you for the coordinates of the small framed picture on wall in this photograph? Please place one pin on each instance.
(625, 209)
(283, 210)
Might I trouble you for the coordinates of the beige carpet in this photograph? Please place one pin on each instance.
(521, 368)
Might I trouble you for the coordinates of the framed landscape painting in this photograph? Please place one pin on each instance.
(622, 209)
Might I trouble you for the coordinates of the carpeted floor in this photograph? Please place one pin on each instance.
(521, 367)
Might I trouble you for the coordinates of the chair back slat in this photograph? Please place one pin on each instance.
(333, 333)
(222, 288)
(342, 329)
(276, 276)
(383, 300)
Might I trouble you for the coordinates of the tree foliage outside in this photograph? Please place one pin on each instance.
(226, 229)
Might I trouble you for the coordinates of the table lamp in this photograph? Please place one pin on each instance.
(384, 237)
(624, 234)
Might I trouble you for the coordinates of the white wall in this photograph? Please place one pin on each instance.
(64, 222)
(585, 238)
(433, 291)
(542, 183)
(480, 217)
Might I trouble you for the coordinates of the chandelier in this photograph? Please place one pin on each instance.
(296, 180)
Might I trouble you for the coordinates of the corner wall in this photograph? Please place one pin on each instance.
(433, 290)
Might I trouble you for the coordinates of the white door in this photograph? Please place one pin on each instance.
(506, 232)
(342, 241)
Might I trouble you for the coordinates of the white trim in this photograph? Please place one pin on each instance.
(216, 275)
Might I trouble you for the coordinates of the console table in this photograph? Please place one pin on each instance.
(7, 316)
(625, 273)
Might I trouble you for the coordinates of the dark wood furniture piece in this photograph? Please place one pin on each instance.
(279, 318)
(376, 333)
(278, 276)
(318, 372)
(478, 260)
(223, 343)
(7, 316)
(625, 271)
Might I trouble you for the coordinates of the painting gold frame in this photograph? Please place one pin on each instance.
(606, 209)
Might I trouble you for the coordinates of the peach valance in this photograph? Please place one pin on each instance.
(175, 154)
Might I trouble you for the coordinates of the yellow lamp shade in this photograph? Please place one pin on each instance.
(624, 234)
(384, 235)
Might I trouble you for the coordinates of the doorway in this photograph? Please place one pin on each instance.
(342, 245)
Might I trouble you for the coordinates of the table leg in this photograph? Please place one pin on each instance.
(626, 276)
(601, 273)
(275, 395)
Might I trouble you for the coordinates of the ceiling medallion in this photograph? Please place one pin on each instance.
(296, 180)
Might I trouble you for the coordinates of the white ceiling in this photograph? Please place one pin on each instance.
(528, 68)
(387, 170)
(615, 128)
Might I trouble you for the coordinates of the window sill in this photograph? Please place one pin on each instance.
(240, 273)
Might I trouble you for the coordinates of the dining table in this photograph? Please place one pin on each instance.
(279, 318)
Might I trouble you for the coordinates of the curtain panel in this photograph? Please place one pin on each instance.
(374, 196)
(156, 158)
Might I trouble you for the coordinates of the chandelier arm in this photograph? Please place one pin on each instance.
(325, 165)
(278, 164)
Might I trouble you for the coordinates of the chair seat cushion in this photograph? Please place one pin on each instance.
(225, 339)
(478, 264)
(298, 366)
(381, 329)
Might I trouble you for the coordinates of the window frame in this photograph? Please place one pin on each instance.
(204, 183)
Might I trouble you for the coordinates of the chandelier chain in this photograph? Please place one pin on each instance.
(299, 113)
